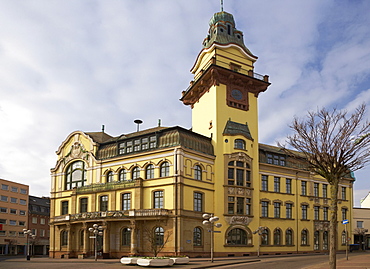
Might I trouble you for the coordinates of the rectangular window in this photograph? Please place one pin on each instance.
(325, 213)
(288, 185)
(83, 205)
(42, 221)
(2, 233)
(276, 184)
(4, 187)
(3, 210)
(360, 224)
(344, 213)
(304, 211)
(230, 205)
(344, 196)
(126, 201)
(158, 199)
(277, 210)
(12, 222)
(264, 185)
(103, 203)
(34, 231)
(316, 212)
(239, 205)
(42, 232)
(325, 190)
(316, 189)
(269, 158)
(14, 189)
(13, 211)
(64, 208)
(22, 212)
(304, 188)
(289, 211)
(20, 234)
(12, 233)
(3, 198)
(239, 177)
(2, 221)
(198, 201)
(22, 201)
(13, 200)
(22, 223)
(248, 206)
(265, 209)
(34, 220)
(23, 191)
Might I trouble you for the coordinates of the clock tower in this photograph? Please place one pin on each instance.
(223, 97)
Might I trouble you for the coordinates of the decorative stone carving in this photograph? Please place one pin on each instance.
(243, 220)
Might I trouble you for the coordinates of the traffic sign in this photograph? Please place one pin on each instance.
(345, 221)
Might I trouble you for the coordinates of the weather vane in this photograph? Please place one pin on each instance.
(222, 5)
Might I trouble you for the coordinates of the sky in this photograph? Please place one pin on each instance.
(80, 64)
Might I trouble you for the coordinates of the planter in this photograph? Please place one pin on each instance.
(180, 260)
(155, 262)
(129, 260)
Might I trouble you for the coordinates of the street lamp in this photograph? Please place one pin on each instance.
(96, 230)
(209, 221)
(28, 234)
(259, 232)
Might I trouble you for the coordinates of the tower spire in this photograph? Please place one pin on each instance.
(222, 5)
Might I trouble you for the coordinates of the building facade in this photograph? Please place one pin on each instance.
(13, 217)
(38, 223)
(150, 189)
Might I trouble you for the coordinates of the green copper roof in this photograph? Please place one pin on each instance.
(235, 128)
(222, 31)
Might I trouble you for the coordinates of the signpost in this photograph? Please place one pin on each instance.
(345, 222)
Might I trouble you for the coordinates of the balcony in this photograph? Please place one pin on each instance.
(149, 212)
(113, 214)
(106, 186)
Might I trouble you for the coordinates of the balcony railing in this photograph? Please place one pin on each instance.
(106, 186)
(114, 214)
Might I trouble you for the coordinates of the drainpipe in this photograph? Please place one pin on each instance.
(176, 201)
(297, 209)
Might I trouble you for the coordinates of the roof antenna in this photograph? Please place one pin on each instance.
(159, 122)
(138, 122)
(102, 128)
(222, 5)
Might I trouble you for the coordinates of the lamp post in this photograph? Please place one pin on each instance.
(28, 234)
(259, 232)
(96, 230)
(209, 221)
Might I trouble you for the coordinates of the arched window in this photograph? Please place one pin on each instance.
(126, 237)
(277, 237)
(289, 237)
(110, 176)
(265, 237)
(197, 237)
(198, 172)
(316, 240)
(239, 144)
(304, 238)
(75, 175)
(159, 236)
(122, 175)
(325, 240)
(135, 173)
(165, 169)
(343, 238)
(237, 237)
(149, 171)
(64, 238)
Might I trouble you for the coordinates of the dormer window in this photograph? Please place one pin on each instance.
(239, 144)
(228, 29)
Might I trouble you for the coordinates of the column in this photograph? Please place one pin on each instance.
(106, 238)
(133, 249)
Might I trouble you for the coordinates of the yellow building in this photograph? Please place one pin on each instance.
(151, 188)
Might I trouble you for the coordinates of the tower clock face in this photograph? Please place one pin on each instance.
(236, 94)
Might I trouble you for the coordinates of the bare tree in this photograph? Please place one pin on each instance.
(156, 236)
(334, 144)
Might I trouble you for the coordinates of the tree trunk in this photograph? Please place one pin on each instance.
(333, 225)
